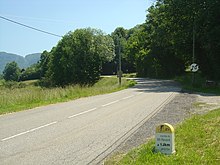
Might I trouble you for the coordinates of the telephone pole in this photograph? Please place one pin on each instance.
(193, 42)
(119, 61)
(193, 58)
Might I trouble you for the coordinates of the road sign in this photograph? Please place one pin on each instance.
(165, 139)
(194, 67)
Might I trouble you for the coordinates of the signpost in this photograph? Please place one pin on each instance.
(165, 139)
(194, 68)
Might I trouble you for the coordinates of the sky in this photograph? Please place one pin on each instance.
(61, 16)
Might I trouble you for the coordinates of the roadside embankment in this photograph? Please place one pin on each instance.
(183, 106)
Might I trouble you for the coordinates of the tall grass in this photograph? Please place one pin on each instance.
(27, 96)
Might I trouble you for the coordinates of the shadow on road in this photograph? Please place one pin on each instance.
(156, 86)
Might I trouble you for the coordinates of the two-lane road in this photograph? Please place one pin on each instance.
(83, 131)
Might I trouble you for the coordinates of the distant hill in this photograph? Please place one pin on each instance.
(23, 62)
(32, 58)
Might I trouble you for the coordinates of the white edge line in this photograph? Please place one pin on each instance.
(31, 130)
(110, 103)
(78, 114)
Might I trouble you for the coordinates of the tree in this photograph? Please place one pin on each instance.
(120, 37)
(78, 57)
(169, 37)
(11, 72)
(200, 17)
(136, 49)
(44, 63)
(31, 73)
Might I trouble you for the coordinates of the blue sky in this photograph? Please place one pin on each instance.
(60, 17)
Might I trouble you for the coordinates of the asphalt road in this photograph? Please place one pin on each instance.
(83, 131)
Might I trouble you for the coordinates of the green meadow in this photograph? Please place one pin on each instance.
(25, 95)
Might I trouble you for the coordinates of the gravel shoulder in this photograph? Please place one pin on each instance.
(183, 106)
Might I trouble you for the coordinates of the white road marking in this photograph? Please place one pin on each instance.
(110, 103)
(46, 125)
(31, 130)
(127, 97)
(140, 93)
(78, 114)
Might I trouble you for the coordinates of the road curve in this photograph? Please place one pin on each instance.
(82, 131)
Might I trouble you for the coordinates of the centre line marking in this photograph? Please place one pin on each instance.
(127, 97)
(110, 103)
(140, 93)
(78, 114)
(31, 130)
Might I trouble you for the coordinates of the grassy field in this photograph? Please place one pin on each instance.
(25, 95)
(197, 142)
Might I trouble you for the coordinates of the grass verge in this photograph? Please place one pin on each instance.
(25, 95)
(130, 75)
(197, 142)
(199, 84)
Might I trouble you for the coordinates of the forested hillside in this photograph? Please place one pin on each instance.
(32, 58)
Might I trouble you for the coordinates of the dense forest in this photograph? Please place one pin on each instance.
(162, 47)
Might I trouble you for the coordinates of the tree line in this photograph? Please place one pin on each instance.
(162, 47)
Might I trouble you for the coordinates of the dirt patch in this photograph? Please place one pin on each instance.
(205, 103)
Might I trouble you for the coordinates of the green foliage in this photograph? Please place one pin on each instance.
(130, 75)
(162, 47)
(78, 57)
(44, 63)
(31, 73)
(13, 85)
(25, 95)
(136, 41)
(196, 142)
(202, 16)
(120, 37)
(163, 58)
(11, 72)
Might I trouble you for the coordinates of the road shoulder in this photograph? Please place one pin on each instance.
(183, 106)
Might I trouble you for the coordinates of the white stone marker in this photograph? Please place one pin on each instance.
(165, 139)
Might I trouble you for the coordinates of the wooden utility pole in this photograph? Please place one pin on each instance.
(119, 62)
(193, 78)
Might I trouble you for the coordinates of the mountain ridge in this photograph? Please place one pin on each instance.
(23, 62)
